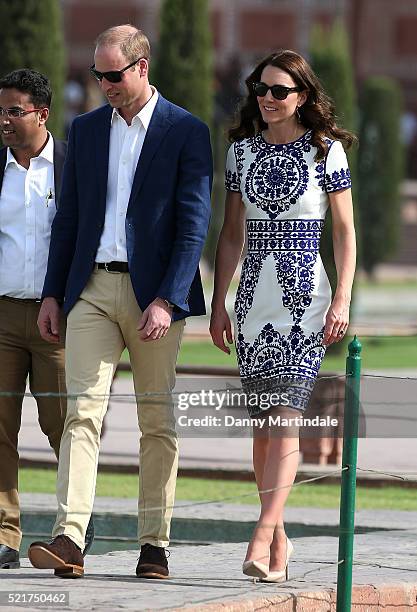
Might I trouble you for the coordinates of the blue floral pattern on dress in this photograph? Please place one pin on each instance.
(251, 269)
(334, 180)
(233, 174)
(283, 352)
(294, 244)
(295, 274)
(273, 352)
(338, 179)
(281, 363)
(231, 181)
(276, 179)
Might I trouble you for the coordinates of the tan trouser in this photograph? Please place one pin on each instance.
(101, 324)
(23, 353)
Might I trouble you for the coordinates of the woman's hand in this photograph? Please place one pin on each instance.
(337, 320)
(219, 325)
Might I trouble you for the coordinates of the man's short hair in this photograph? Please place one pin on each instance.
(132, 42)
(28, 81)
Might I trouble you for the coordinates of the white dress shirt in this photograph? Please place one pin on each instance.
(27, 209)
(126, 143)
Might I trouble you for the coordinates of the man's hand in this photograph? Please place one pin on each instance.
(155, 321)
(48, 320)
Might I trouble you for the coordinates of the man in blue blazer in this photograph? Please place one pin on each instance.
(125, 248)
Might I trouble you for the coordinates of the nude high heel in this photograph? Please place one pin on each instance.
(255, 569)
(281, 575)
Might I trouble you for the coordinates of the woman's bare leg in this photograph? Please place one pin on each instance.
(259, 453)
(275, 455)
(286, 452)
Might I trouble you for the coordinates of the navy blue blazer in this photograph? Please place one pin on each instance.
(167, 216)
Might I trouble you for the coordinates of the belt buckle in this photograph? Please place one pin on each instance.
(109, 271)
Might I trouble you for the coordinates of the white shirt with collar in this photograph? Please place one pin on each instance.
(126, 142)
(27, 209)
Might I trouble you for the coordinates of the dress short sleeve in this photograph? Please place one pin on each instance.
(337, 173)
(232, 179)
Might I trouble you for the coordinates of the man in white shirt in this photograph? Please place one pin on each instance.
(125, 248)
(30, 169)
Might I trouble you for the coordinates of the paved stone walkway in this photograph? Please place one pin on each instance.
(208, 577)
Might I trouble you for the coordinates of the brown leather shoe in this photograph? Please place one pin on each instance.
(152, 562)
(60, 554)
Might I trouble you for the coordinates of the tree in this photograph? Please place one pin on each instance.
(380, 169)
(331, 61)
(32, 38)
(183, 73)
(183, 68)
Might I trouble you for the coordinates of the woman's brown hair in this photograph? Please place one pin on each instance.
(317, 113)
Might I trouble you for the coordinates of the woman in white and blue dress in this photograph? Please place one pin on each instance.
(286, 166)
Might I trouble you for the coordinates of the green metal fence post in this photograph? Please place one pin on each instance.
(348, 484)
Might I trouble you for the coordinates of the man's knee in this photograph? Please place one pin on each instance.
(157, 419)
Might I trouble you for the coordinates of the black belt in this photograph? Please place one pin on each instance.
(20, 300)
(114, 266)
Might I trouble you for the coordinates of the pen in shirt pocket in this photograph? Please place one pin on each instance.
(49, 196)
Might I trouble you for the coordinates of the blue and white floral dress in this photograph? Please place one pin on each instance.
(284, 293)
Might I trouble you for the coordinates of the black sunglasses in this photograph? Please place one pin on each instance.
(113, 76)
(280, 92)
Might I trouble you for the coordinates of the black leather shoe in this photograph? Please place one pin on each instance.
(9, 557)
(89, 536)
(152, 562)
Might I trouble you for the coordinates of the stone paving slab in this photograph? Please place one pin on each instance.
(210, 578)
(115, 523)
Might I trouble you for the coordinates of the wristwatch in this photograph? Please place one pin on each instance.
(169, 304)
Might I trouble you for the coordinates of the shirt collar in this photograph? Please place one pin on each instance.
(46, 153)
(145, 114)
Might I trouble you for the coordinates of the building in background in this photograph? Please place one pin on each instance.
(383, 41)
(382, 35)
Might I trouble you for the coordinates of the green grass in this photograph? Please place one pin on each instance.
(381, 352)
(387, 284)
(196, 489)
(377, 353)
(198, 352)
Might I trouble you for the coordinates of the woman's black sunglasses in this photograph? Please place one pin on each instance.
(113, 76)
(280, 92)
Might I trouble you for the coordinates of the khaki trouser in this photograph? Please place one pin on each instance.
(23, 353)
(102, 323)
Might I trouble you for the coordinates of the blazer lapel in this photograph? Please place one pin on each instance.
(3, 157)
(102, 143)
(158, 127)
(59, 158)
